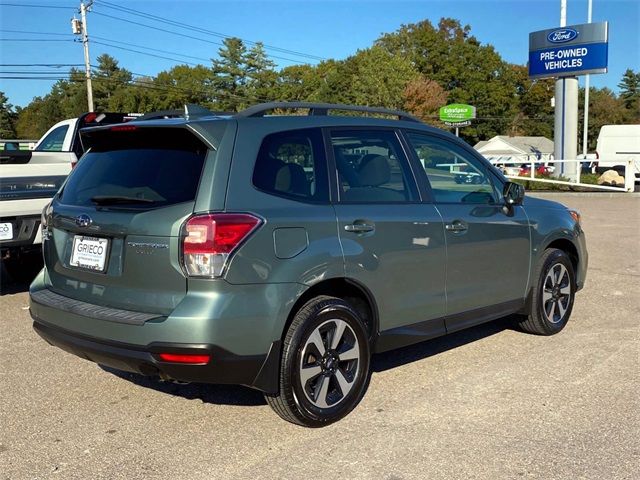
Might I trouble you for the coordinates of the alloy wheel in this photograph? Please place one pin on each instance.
(329, 363)
(556, 293)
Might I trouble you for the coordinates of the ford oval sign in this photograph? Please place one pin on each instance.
(562, 35)
(83, 220)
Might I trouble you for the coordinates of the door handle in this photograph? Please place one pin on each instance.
(359, 228)
(456, 226)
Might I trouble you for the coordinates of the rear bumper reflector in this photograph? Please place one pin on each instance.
(193, 359)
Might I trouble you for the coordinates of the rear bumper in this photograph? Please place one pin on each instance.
(224, 367)
(26, 232)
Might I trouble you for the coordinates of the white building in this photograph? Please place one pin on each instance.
(502, 148)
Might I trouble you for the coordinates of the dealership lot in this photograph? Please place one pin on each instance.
(489, 402)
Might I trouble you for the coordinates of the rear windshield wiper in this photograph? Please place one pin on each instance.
(116, 200)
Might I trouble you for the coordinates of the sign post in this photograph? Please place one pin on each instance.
(564, 53)
(457, 115)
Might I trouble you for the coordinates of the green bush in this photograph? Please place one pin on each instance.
(533, 186)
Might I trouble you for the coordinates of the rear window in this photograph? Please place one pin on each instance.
(143, 168)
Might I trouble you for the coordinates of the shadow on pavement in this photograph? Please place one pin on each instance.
(19, 276)
(395, 358)
(207, 393)
(244, 396)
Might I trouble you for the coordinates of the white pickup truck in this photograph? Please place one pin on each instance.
(28, 180)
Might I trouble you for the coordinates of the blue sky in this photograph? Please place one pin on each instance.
(329, 29)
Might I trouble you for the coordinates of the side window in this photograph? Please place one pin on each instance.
(455, 175)
(371, 167)
(54, 141)
(292, 164)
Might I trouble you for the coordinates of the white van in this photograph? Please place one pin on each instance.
(616, 145)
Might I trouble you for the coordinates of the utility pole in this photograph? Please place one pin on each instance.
(565, 131)
(586, 97)
(80, 28)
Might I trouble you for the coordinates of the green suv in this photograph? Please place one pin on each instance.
(281, 252)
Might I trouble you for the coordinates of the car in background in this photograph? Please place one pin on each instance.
(28, 180)
(540, 169)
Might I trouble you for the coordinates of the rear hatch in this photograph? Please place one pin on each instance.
(113, 232)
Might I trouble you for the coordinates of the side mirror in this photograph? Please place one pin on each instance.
(513, 193)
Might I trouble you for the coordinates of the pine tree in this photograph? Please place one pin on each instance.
(630, 91)
(7, 118)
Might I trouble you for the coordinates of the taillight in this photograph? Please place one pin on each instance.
(210, 239)
(73, 164)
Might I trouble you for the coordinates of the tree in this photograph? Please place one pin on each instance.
(630, 92)
(241, 76)
(379, 78)
(7, 118)
(230, 75)
(534, 113)
(261, 75)
(604, 109)
(108, 79)
(469, 71)
(181, 85)
(297, 82)
(423, 98)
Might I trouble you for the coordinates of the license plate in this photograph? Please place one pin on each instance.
(6, 231)
(89, 253)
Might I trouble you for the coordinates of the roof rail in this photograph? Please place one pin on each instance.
(322, 109)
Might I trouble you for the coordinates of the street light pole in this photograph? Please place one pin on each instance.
(565, 131)
(87, 59)
(586, 98)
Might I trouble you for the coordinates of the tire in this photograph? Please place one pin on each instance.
(552, 295)
(313, 382)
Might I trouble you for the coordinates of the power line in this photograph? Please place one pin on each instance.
(29, 72)
(152, 49)
(53, 65)
(186, 26)
(179, 34)
(30, 5)
(36, 40)
(142, 53)
(138, 82)
(35, 33)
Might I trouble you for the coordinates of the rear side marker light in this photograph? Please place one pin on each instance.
(209, 240)
(193, 359)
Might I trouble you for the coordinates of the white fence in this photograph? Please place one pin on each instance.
(629, 172)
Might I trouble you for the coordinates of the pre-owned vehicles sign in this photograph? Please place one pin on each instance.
(569, 51)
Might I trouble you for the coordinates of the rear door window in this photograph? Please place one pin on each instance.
(146, 168)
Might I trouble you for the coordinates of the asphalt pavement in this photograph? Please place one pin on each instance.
(486, 403)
